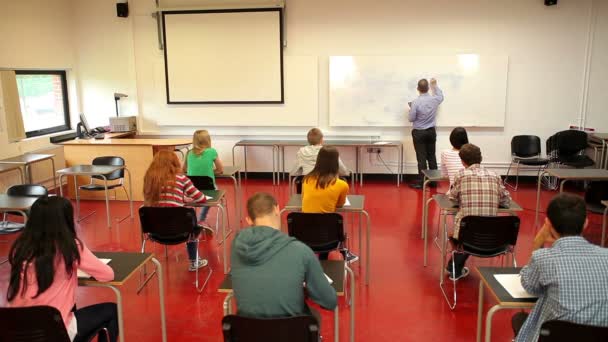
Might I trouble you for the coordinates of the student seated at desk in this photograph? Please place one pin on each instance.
(570, 277)
(451, 163)
(323, 191)
(306, 157)
(269, 267)
(478, 192)
(44, 261)
(166, 186)
(203, 160)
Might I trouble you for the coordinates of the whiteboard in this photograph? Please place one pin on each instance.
(375, 90)
(227, 56)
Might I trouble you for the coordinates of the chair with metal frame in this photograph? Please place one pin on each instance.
(118, 175)
(568, 148)
(171, 226)
(36, 324)
(203, 183)
(24, 190)
(562, 331)
(323, 233)
(292, 329)
(526, 151)
(483, 237)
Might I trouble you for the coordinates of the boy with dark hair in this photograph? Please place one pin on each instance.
(479, 192)
(569, 278)
(269, 267)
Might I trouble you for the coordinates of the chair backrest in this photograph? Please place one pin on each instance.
(321, 232)
(488, 233)
(525, 146)
(202, 182)
(568, 142)
(112, 161)
(31, 190)
(32, 324)
(167, 225)
(562, 331)
(292, 329)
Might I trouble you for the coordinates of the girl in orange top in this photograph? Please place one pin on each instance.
(323, 191)
(44, 260)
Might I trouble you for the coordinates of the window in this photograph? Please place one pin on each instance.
(43, 95)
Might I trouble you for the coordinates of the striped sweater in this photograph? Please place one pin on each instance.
(175, 195)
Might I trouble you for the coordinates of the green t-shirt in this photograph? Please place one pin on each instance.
(202, 165)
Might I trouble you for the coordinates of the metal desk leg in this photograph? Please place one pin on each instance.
(337, 324)
(233, 147)
(105, 184)
(283, 162)
(224, 252)
(130, 192)
(367, 247)
(426, 229)
(228, 304)
(604, 227)
(424, 184)
(22, 176)
(480, 311)
(540, 176)
(352, 303)
(360, 235)
(442, 223)
(121, 325)
(360, 166)
(161, 294)
(245, 160)
(54, 176)
(61, 188)
(489, 317)
(237, 204)
(77, 198)
(274, 162)
(28, 171)
(561, 186)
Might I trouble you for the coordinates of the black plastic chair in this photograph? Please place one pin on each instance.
(484, 237)
(562, 331)
(24, 190)
(323, 233)
(118, 175)
(202, 182)
(292, 329)
(568, 148)
(32, 324)
(525, 150)
(170, 226)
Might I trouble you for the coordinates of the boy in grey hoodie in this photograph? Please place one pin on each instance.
(307, 155)
(269, 267)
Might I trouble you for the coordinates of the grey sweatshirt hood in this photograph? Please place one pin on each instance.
(256, 245)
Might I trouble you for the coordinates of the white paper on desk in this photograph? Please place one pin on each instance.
(83, 274)
(512, 283)
(346, 203)
(329, 279)
(208, 198)
(381, 143)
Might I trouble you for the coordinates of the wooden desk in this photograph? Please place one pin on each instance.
(25, 160)
(217, 201)
(605, 204)
(446, 206)
(137, 153)
(335, 270)
(500, 295)
(125, 265)
(94, 170)
(429, 176)
(566, 175)
(356, 206)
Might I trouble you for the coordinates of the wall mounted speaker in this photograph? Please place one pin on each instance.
(122, 9)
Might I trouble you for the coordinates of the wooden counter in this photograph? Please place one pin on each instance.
(137, 151)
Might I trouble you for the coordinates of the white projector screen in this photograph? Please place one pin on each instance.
(223, 56)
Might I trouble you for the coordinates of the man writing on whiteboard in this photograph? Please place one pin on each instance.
(423, 113)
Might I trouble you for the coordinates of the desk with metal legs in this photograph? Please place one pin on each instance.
(95, 170)
(14, 204)
(356, 206)
(261, 143)
(26, 160)
(336, 271)
(500, 295)
(124, 266)
(446, 206)
(429, 176)
(12, 167)
(217, 200)
(566, 175)
(234, 173)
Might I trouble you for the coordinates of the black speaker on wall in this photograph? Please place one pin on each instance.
(122, 9)
(550, 2)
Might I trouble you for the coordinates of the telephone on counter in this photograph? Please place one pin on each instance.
(100, 129)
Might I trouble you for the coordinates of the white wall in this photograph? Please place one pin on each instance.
(35, 34)
(545, 45)
(597, 105)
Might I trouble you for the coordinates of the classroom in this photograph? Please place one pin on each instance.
(282, 139)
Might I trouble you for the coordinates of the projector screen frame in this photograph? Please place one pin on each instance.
(237, 10)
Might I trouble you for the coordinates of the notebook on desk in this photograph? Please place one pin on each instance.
(512, 284)
(346, 203)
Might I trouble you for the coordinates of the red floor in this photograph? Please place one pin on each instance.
(403, 301)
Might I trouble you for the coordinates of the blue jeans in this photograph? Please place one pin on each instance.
(192, 244)
(204, 212)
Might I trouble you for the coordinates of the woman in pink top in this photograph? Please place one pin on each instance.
(44, 260)
(450, 160)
